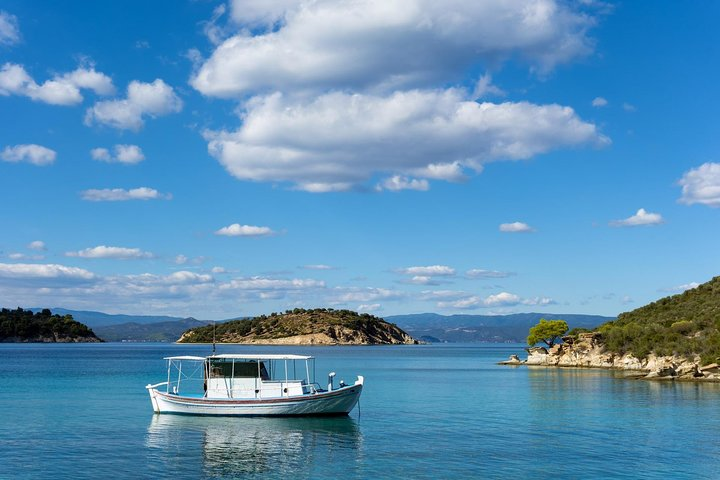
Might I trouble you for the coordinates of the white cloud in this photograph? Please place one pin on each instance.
(218, 270)
(318, 267)
(701, 185)
(31, 153)
(365, 295)
(599, 102)
(485, 88)
(423, 280)
(37, 245)
(443, 295)
(539, 301)
(338, 140)
(516, 227)
(213, 31)
(503, 299)
(430, 270)
(397, 183)
(127, 154)
(120, 195)
(480, 273)
(372, 307)
(31, 272)
(60, 90)
(102, 251)
(681, 288)
(9, 30)
(262, 283)
(22, 256)
(351, 44)
(237, 230)
(642, 217)
(181, 260)
(143, 100)
(101, 154)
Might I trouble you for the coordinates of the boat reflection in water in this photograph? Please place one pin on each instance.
(301, 446)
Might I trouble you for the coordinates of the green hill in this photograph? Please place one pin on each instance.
(320, 326)
(687, 324)
(25, 326)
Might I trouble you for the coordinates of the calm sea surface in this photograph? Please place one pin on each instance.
(431, 411)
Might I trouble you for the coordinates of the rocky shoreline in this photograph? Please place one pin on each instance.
(588, 351)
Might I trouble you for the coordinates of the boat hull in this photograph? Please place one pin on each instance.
(337, 402)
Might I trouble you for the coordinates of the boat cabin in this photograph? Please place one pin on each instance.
(244, 376)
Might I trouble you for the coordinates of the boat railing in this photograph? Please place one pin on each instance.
(152, 387)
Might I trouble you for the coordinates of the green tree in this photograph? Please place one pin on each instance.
(547, 331)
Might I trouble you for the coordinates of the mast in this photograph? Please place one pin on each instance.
(213, 352)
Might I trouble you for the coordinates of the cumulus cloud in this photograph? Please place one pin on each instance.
(503, 299)
(397, 183)
(9, 29)
(642, 217)
(121, 195)
(49, 274)
(30, 153)
(701, 185)
(338, 140)
(62, 89)
(331, 44)
(516, 227)
(480, 273)
(102, 251)
(365, 295)
(599, 102)
(37, 245)
(539, 301)
(372, 307)
(237, 230)
(127, 154)
(143, 100)
(430, 271)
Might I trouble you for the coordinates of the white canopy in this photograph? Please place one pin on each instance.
(233, 356)
(261, 357)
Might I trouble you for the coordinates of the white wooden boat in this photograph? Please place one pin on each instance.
(247, 385)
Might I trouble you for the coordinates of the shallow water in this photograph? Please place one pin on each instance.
(430, 411)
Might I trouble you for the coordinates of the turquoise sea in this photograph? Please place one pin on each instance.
(430, 411)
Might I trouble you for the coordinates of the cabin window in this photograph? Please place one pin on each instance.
(242, 369)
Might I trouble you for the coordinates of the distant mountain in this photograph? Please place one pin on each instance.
(430, 327)
(484, 328)
(149, 332)
(99, 319)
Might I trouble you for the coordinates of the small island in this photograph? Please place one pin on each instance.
(320, 326)
(24, 326)
(675, 337)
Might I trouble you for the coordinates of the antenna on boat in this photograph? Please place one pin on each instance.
(213, 352)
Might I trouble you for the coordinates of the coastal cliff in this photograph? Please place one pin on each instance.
(588, 350)
(304, 327)
(674, 337)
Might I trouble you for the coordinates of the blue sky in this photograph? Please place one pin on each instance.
(216, 159)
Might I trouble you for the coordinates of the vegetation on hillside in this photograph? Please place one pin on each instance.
(296, 322)
(687, 324)
(25, 326)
